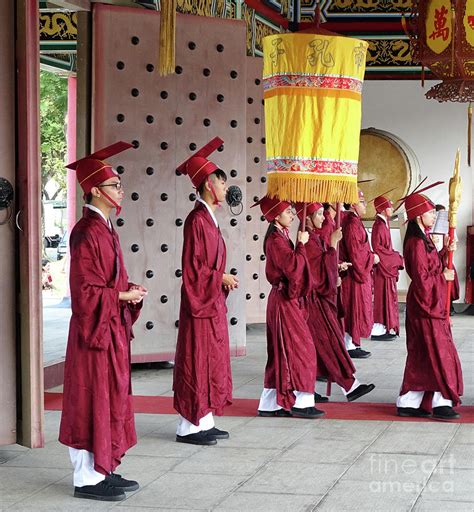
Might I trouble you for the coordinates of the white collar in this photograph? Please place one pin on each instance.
(209, 209)
(383, 218)
(96, 210)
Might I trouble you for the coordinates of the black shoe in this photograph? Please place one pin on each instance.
(215, 433)
(383, 337)
(165, 365)
(319, 399)
(321, 379)
(446, 413)
(307, 412)
(279, 413)
(359, 391)
(412, 412)
(358, 353)
(198, 438)
(121, 483)
(101, 492)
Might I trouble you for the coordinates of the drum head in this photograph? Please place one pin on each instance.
(389, 163)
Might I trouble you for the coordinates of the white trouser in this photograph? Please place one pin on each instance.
(185, 427)
(303, 399)
(378, 330)
(348, 342)
(84, 472)
(355, 385)
(414, 399)
(268, 400)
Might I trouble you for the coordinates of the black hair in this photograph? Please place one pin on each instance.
(218, 173)
(440, 207)
(326, 206)
(271, 229)
(414, 231)
(88, 198)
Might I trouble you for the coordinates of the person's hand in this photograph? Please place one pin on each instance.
(343, 266)
(336, 236)
(338, 281)
(134, 294)
(376, 259)
(452, 246)
(303, 237)
(140, 289)
(230, 282)
(448, 274)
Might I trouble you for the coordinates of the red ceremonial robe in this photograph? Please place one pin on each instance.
(325, 232)
(357, 282)
(385, 277)
(432, 361)
(97, 411)
(333, 360)
(202, 380)
(291, 356)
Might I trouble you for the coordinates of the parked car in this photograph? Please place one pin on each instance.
(62, 247)
(52, 241)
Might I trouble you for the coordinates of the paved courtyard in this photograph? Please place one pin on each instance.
(273, 464)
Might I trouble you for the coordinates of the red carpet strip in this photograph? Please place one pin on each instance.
(248, 407)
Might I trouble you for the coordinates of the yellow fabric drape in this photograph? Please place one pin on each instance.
(312, 90)
(167, 37)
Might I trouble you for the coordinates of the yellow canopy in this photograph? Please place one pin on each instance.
(312, 90)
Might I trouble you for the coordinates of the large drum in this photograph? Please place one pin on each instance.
(389, 162)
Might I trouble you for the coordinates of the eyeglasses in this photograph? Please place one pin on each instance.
(118, 185)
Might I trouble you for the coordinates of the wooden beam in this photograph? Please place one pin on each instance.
(71, 5)
(267, 12)
(120, 3)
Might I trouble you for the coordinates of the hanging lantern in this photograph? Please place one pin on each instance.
(442, 39)
(312, 90)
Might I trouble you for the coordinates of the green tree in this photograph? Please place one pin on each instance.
(53, 109)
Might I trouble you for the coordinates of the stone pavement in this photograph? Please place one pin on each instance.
(56, 316)
(273, 464)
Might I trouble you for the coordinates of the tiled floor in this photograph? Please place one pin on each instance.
(273, 464)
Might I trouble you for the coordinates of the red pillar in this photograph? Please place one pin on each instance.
(71, 152)
(71, 175)
(28, 220)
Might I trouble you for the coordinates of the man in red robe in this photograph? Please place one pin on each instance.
(97, 420)
(290, 372)
(357, 282)
(325, 232)
(202, 381)
(432, 380)
(385, 274)
(333, 360)
(329, 223)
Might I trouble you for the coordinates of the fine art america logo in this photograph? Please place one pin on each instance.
(394, 474)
